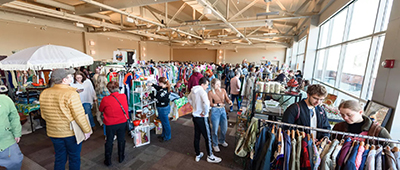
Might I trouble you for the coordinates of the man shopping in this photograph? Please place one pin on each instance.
(201, 106)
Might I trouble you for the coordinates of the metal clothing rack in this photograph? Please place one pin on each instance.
(334, 132)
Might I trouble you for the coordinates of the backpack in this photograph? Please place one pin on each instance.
(374, 130)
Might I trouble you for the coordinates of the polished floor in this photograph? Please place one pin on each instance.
(178, 153)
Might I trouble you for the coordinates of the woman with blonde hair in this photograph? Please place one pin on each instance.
(101, 92)
(358, 123)
(217, 97)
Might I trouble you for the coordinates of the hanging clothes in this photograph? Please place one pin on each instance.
(305, 159)
(343, 153)
(390, 159)
(326, 162)
(288, 145)
(350, 163)
(370, 163)
(378, 158)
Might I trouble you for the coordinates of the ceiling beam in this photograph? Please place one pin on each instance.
(119, 4)
(177, 12)
(221, 17)
(243, 10)
(152, 13)
(203, 15)
(278, 2)
(136, 17)
(234, 5)
(304, 4)
(58, 14)
(163, 13)
(254, 31)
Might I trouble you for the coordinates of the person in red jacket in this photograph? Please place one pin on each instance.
(194, 79)
(115, 120)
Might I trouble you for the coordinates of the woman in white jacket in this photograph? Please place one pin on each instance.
(86, 92)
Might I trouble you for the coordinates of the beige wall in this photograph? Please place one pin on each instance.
(194, 55)
(18, 36)
(105, 45)
(254, 55)
(156, 51)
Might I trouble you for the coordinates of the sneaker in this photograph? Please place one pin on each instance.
(213, 159)
(224, 144)
(216, 148)
(197, 159)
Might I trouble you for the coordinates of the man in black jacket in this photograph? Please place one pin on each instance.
(308, 112)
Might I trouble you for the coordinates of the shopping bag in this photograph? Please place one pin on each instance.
(185, 109)
(159, 128)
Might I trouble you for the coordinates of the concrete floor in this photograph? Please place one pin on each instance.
(178, 153)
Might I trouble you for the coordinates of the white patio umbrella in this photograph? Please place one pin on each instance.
(46, 57)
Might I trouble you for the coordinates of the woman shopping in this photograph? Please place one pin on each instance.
(163, 108)
(115, 109)
(87, 94)
(217, 97)
(356, 122)
(101, 92)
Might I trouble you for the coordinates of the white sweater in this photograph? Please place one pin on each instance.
(199, 100)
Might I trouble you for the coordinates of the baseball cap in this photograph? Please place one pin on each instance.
(3, 89)
(59, 74)
(197, 69)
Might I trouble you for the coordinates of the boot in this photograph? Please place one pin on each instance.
(121, 151)
(107, 160)
(108, 153)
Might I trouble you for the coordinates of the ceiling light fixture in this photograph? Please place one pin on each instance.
(189, 37)
(206, 11)
(79, 25)
(130, 20)
(269, 23)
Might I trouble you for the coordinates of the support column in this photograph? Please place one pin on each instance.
(311, 48)
(387, 82)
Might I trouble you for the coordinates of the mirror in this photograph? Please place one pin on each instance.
(378, 112)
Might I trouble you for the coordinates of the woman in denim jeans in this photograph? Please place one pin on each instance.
(217, 97)
(163, 108)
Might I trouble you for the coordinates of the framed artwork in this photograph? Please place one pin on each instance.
(120, 56)
(378, 112)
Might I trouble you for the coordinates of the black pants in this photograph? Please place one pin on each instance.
(202, 126)
(119, 130)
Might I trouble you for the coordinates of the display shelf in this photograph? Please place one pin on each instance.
(137, 135)
(144, 104)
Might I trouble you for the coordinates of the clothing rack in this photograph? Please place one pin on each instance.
(334, 132)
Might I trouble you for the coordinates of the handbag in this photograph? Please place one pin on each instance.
(78, 132)
(129, 123)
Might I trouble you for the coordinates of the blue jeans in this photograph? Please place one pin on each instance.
(67, 147)
(11, 158)
(218, 118)
(88, 110)
(237, 97)
(163, 113)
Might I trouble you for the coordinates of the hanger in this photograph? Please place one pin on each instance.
(297, 130)
(367, 144)
(293, 134)
(273, 129)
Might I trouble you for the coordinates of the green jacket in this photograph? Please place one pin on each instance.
(10, 125)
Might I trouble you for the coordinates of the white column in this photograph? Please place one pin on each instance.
(387, 84)
(311, 48)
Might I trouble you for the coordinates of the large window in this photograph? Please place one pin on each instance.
(299, 59)
(349, 49)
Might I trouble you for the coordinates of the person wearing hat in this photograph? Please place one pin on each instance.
(10, 132)
(194, 79)
(59, 106)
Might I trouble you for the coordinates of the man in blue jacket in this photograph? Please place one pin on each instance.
(308, 112)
